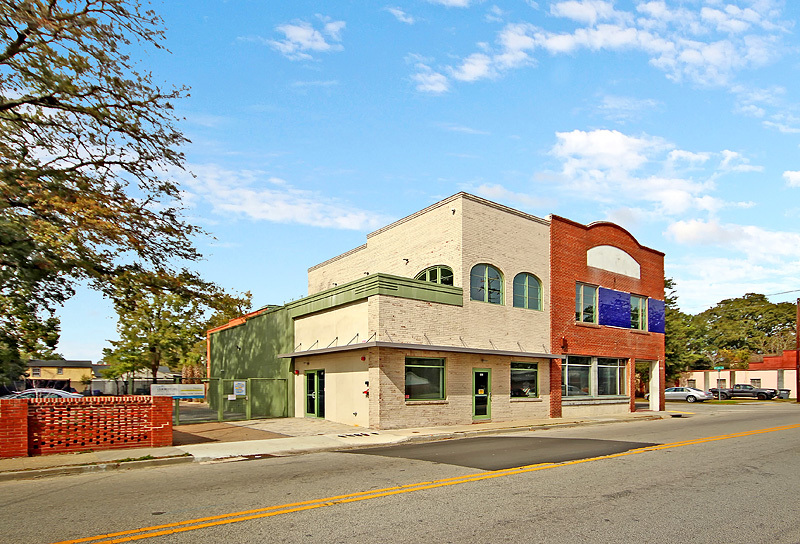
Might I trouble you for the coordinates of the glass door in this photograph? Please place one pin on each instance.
(481, 393)
(315, 393)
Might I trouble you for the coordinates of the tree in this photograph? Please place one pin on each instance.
(86, 143)
(680, 350)
(750, 323)
(163, 328)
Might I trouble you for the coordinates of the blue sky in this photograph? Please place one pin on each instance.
(313, 123)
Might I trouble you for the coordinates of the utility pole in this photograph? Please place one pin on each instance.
(797, 354)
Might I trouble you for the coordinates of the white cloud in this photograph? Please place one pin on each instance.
(612, 167)
(706, 46)
(735, 162)
(756, 243)
(623, 109)
(461, 128)
(603, 149)
(431, 82)
(585, 11)
(499, 193)
(792, 178)
(476, 66)
(258, 196)
(452, 3)
(401, 15)
(495, 15)
(302, 39)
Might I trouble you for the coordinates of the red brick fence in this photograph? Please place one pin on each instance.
(45, 426)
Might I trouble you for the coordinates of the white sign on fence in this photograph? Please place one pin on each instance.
(178, 390)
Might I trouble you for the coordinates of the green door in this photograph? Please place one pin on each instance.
(481, 393)
(315, 393)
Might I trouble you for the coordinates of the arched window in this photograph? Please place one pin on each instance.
(527, 291)
(437, 274)
(486, 284)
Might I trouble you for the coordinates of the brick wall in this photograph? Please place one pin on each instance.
(405, 248)
(570, 242)
(13, 428)
(389, 408)
(81, 424)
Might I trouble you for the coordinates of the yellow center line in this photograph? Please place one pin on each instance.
(225, 519)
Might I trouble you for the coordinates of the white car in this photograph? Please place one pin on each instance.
(44, 393)
(689, 394)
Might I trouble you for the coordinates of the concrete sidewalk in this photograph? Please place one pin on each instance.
(285, 436)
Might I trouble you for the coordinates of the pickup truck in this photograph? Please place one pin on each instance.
(744, 390)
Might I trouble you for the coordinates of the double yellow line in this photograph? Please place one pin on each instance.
(224, 519)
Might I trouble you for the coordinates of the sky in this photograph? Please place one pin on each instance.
(313, 123)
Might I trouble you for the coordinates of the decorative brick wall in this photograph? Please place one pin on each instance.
(82, 424)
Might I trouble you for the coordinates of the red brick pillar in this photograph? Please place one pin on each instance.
(161, 421)
(13, 428)
(555, 387)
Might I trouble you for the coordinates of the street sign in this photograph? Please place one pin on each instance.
(178, 390)
(719, 368)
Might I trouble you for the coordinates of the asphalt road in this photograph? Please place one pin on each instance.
(718, 474)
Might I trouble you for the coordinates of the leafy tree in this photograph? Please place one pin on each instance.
(164, 328)
(749, 323)
(680, 347)
(86, 142)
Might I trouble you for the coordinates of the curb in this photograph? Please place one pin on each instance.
(95, 467)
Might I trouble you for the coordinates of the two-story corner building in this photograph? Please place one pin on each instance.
(465, 311)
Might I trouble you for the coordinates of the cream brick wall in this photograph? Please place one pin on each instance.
(345, 374)
(335, 327)
(391, 410)
(427, 238)
(478, 232)
(476, 325)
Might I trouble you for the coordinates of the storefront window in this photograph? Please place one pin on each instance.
(524, 380)
(424, 379)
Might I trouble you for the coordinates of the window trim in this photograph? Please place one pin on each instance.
(537, 392)
(526, 292)
(594, 377)
(439, 268)
(484, 287)
(36, 372)
(442, 378)
(641, 322)
(579, 303)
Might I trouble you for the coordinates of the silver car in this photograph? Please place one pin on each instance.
(689, 394)
(43, 393)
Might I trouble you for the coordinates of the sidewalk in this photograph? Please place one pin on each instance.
(230, 441)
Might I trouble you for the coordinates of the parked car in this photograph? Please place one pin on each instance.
(745, 390)
(43, 393)
(689, 394)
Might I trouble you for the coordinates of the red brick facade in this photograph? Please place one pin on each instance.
(46, 426)
(569, 244)
(786, 360)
